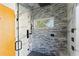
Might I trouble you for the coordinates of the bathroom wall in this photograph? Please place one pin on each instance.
(77, 29)
(24, 25)
(71, 36)
(41, 39)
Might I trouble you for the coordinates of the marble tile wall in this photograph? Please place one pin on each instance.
(71, 24)
(41, 41)
(24, 25)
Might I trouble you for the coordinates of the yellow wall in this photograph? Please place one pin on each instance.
(7, 31)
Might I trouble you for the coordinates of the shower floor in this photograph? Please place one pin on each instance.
(34, 53)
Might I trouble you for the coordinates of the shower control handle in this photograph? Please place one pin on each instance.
(27, 33)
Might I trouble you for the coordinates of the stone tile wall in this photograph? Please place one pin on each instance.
(41, 41)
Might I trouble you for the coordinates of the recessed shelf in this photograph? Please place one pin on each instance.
(72, 38)
(72, 30)
(72, 47)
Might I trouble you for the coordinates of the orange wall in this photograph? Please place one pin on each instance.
(7, 31)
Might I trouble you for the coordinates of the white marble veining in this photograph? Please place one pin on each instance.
(41, 39)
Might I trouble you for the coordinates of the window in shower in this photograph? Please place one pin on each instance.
(44, 23)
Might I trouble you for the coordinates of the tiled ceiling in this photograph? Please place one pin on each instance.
(60, 9)
(30, 5)
(37, 5)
